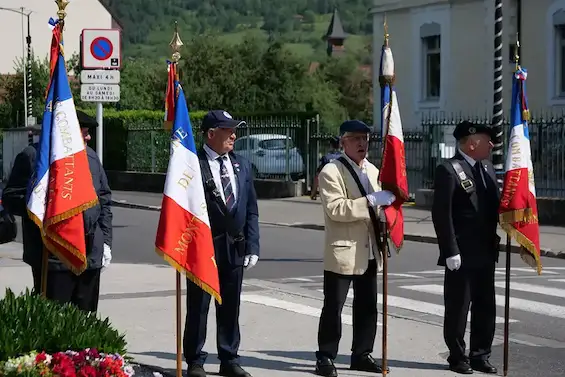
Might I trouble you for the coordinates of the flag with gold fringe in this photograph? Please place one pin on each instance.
(518, 206)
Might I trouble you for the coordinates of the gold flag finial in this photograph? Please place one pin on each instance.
(517, 52)
(62, 4)
(176, 44)
(386, 31)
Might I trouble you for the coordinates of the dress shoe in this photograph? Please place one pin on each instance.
(367, 364)
(461, 367)
(483, 366)
(195, 370)
(233, 370)
(326, 368)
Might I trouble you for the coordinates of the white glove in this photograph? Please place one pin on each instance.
(453, 263)
(381, 198)
(106, 257)
(250, 261)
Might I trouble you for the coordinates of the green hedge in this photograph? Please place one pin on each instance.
(135, 140)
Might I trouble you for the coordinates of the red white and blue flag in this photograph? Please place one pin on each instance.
(184, 237)
(518, 207)
(392, 174)
(61, 187)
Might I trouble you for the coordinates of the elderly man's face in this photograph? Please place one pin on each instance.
(355, 145)
(221, 140)
(85, 134)
(479, 146)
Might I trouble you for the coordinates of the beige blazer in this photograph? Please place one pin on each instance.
(347, 222)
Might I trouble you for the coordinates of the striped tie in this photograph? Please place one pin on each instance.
(226, 183)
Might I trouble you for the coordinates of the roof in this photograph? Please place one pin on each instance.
(335, 29)
(112, 13)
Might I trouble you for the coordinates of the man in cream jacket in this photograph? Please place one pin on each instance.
(351, 254)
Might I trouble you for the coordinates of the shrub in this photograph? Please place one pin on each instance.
(32, 323)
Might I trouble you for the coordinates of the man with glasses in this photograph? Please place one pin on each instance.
(351, 198)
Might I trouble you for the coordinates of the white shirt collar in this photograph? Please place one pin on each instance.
(354, 164)
(470, 160)
(212, 155)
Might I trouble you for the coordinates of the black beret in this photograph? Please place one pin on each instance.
(86, 121)
(467, 128)
(354, 126)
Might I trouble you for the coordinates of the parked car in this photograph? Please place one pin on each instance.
(268, 155)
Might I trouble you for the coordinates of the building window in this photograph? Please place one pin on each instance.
(430, 37)
(560, 60)
(432, 66)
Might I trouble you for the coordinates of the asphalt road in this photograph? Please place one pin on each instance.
(293, 257)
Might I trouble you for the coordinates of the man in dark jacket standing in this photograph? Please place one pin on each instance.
(465, 217)
(62, 284)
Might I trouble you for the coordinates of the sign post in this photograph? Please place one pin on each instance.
(100, 76)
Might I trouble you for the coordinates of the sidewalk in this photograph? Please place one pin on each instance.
(278, 329)
(302, 212)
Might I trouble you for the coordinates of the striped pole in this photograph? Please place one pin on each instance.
(497, 110)
(29, 76)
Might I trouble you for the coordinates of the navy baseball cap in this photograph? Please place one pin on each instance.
(219, 119)
(86, 121)
(353, 126)
(467, 128)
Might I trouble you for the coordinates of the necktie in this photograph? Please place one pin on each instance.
(477, 175)
(226, 183)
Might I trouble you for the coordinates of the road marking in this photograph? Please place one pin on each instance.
(292, 307)
(431, 272)
(417, 306)
(548, 291)
(537, 307)
(522, 269)
(554, 268)
(405, 276)
(300, 279)
(558, 280)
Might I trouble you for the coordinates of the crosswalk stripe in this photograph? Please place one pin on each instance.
(544, 271)
(416, 306)
(548, 291)
(405, 275)
(537, 307)
(558, 280)
(294, 307)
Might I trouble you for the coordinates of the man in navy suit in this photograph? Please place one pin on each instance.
(234, 219)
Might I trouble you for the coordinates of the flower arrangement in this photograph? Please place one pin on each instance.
(86, 363)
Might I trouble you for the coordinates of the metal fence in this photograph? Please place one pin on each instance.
(289, 147)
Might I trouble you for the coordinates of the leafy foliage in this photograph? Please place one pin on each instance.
(29, 322)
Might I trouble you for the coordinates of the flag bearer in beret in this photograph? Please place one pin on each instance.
(465, 217)
(234, 219)
(351, 198)
(62, 284)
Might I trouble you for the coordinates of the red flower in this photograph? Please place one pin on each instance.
(87, 371)
(40, 357)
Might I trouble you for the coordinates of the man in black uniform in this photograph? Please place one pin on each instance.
(63, 285)
(465, 217)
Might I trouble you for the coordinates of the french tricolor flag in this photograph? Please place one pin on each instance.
(392, 174)
(518, 206)
(61, 187)
(184, 237)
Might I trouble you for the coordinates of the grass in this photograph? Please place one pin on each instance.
(307, 43)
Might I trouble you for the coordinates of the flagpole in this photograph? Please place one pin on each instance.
(61, 14)
(175, 45)
(508, 255)
(384, 84)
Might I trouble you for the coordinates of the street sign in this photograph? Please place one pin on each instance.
(101, 48)
(100, 93)
(100, 76)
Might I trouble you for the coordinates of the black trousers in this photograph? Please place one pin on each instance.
(336, 287)
(227, 318)
(83, 290)
(464, 287)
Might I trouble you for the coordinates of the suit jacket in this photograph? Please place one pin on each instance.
(97, 220)
(245, 213)
(464, 224)
(347, 220)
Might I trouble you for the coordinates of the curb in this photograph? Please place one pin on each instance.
(407, 237)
